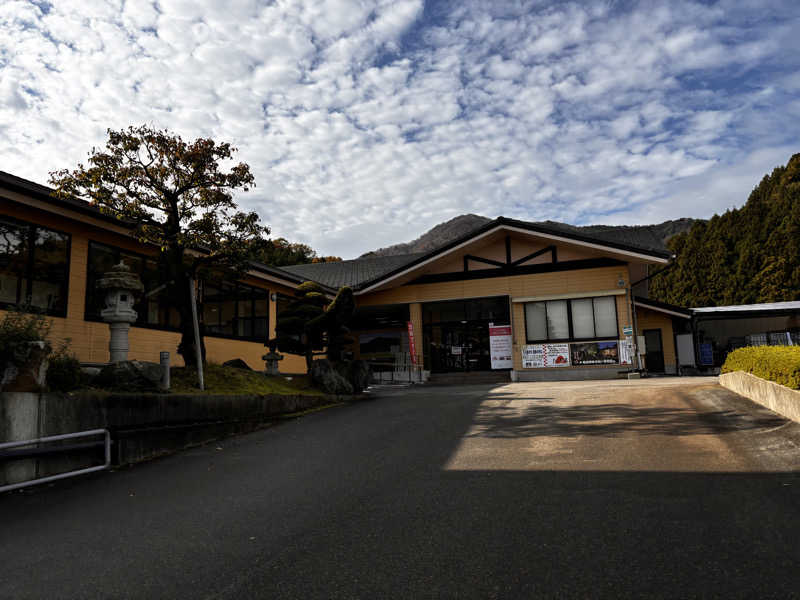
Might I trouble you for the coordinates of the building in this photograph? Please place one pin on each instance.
(53, 250)
(530, 300)
(537, 301)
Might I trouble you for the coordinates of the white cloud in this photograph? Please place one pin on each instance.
(368, 121)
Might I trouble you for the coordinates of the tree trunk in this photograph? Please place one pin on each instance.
(178, 277)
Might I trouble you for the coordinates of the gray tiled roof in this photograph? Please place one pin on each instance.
(350, 272)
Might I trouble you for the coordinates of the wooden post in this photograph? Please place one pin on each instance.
(198, 352)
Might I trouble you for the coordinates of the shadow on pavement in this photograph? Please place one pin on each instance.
(611, 420)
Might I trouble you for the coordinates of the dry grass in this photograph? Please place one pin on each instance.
(227, 380)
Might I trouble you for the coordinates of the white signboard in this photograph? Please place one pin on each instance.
(500, 346)
(539, 356)
(626, 351)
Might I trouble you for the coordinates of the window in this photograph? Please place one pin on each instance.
(579, 319)
(235, 310)
(152, 307)
(34, 267)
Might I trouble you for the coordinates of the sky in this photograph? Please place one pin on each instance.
(367, 122)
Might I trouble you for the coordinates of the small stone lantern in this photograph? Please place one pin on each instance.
(271, 359)
(120, 286)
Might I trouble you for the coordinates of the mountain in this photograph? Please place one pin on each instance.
(433, 238)
(648, 236)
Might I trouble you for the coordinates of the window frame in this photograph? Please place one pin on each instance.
(237, 285)
(118, 250)
(571, 337)
(30, 259)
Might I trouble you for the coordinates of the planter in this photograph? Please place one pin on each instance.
(774, 396)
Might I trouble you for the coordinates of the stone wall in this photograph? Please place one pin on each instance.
(776, 397)
(142, 426)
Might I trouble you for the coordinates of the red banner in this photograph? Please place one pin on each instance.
(412, 348)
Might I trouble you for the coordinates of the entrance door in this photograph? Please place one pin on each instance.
(654, 356)
(456, 333)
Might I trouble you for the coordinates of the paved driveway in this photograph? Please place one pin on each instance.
(667, 488)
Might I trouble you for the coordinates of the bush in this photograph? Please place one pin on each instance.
(780, 364)
(64, 372)
(17, 327)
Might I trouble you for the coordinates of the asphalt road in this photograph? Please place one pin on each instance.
(663, 488)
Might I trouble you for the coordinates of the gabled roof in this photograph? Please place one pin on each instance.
(365, 273)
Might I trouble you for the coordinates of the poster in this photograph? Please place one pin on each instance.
(500, 346)
(595, 353)
(626, 351)
(412, 348)
(539, 356)
(706, 354)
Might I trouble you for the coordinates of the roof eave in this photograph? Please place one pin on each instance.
(511, 225)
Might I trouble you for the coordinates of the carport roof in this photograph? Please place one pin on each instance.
(741, 309)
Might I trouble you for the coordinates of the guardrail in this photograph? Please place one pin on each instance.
(6, 452)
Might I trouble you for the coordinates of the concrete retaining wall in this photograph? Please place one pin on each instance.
(776, 397)
(142, 426)
(568, 374)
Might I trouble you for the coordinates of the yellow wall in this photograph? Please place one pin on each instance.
(89, 339)
(651, 319)
(585, 281)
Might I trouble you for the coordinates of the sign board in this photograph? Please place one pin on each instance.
(539, 356)
(500, 346)
(706, 354)
(412, 348)
(627, 330)
(626, 351)
(595, 353)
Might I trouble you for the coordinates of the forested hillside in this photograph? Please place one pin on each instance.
(744, 256)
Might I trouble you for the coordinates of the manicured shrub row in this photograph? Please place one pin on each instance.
(780, 364)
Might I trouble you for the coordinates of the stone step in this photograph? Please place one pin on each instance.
(469, 378)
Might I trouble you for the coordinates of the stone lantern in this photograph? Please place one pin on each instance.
(120, 286)
(271, 359)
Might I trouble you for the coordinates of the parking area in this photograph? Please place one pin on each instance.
(659, 424)
(657, 488)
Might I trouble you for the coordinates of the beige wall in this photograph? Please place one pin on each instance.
(89, 340)
(584, 281)
(651, 319)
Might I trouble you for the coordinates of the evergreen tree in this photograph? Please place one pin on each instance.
(745, 256)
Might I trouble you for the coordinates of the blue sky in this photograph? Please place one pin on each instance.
(368, 122)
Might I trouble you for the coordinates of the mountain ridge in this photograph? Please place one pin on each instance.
(648, 236)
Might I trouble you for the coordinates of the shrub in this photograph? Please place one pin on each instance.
(64, 372)
(17, 327)
(780, 364)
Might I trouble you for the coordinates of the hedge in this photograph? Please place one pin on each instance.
(780, 364)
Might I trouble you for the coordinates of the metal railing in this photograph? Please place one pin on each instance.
(31, 452)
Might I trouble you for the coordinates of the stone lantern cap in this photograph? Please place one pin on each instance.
(120, 277)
